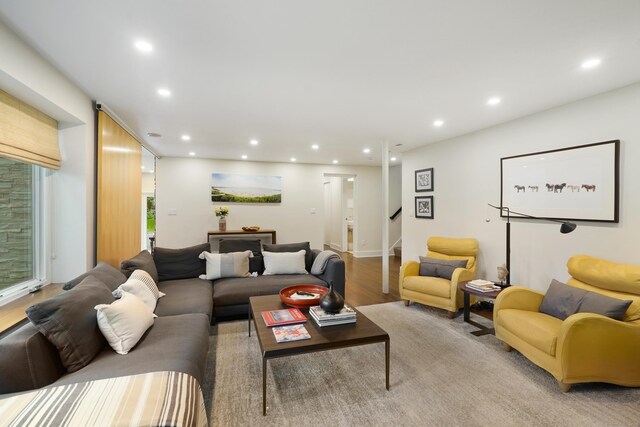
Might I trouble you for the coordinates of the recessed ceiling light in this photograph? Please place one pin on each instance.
(393, 159)
(494, 101)
(591, 63)
(335, 162)
(164, 92)
(366, 150)
(185, 138)
(293, 159)
(244, 157)
(438, 123)
(143, 46)
(154, 134)
(142, 167)
(350, 179)
(192, 153)
(254, 142)
(151, 171)
(315, 146)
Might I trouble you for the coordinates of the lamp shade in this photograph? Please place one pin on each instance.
(567, 227)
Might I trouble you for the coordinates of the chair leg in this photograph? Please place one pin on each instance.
(406, 302)
(506, 346)
(564, 387)
(451, 314)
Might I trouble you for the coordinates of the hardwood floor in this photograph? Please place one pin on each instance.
(364, 280)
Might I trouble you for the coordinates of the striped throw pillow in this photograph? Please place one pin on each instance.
(146, 278)
(233, 264)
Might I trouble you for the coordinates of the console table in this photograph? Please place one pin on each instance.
(214, 236)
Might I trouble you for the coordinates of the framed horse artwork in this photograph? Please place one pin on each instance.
(573, 183)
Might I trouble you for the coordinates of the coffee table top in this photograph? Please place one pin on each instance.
(364, 331)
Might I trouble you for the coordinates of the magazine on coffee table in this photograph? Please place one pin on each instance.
(283, 317)
(291, 333)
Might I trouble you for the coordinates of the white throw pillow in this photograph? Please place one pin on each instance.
(147, 280)
(138, 288)
(232, 264)
(124, 321)
(284, 262)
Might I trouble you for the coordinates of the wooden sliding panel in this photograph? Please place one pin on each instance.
(119, 188)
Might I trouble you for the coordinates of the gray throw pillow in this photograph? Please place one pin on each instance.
(142, 261)
(293, 247)
(440, 268)
(561, 300)
(69, 322)
(256, 262)
(108, 274)
(600, 304)
(183, 263)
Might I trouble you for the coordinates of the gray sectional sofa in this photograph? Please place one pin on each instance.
(179, 338)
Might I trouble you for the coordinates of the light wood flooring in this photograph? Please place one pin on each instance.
(364, 280)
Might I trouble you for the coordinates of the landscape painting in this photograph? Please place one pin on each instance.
(234, 188)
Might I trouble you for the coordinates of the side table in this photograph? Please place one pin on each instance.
(482, 330)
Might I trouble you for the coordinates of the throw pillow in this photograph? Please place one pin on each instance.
(284, 263)
(235, 264)
(140, 289)
(106, 273)
(183, 263)
(256, 263)
(600, 304)
(69, 322)
(145, 278)
(561, 300)
(439, 267)
(292, 247)
(321, 261)
(124, 321)
(142, 261)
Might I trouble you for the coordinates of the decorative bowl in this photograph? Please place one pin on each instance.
(251, 228)
(286, 293)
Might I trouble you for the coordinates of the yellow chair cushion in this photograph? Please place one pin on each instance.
(538, 329)
(605, 274)
(428, 285)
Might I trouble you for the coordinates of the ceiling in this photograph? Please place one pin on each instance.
(346, 75)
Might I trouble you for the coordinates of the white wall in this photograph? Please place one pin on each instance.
(29, 77)
(184, 184)
(467, 177)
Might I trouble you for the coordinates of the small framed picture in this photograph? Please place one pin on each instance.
(424, 180)
(424, 207)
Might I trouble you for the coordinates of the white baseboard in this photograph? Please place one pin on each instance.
(336, 247)
(367, 254)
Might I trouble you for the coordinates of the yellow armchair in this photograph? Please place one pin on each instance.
(585, 347)
(436, 291)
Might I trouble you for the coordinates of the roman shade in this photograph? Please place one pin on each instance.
(26, 134)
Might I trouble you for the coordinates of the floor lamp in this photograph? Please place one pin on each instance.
(566, 227)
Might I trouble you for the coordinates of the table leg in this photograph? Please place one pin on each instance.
(264, 386)
(249, 321)
(387, 353)
(467, 307)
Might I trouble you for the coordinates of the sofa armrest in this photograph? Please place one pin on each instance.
(335, 271)
(460, 275)
(595, 347)
(409, 268)
(518, 297)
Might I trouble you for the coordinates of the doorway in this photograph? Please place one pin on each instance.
(340, 217)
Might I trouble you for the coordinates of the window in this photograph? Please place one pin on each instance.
(19, 229)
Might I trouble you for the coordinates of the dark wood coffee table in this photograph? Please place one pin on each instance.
(482, 330)
(364, 331)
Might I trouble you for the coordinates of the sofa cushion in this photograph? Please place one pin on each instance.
(234, 264)
(183, 263)
(256, 263)
(293, 247)
(537, 329)
(439, 267)
(68, 320)
(142, 261)
(238, 290)
(108, 274)
(284, 263)
(185, 296)
(173, 343)
(435, 286)
(124, 321)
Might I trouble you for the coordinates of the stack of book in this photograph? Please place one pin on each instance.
(483, 286)
(322, 318)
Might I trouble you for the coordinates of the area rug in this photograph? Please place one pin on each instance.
(440, 375)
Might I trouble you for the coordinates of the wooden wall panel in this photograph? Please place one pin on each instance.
(119, 188)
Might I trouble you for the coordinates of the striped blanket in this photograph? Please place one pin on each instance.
(153, 399)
